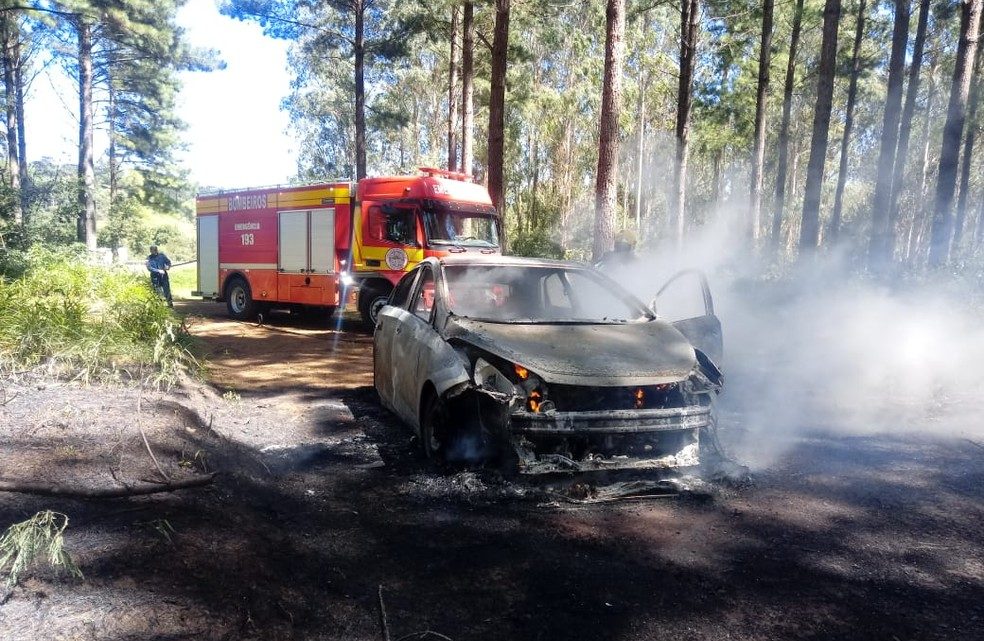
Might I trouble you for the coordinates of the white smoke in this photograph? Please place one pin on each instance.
(821, 349)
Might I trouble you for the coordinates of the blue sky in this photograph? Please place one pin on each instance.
(236, 134)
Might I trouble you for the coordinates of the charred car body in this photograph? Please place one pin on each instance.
(544, 366)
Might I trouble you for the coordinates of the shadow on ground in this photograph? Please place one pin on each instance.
(874, 538)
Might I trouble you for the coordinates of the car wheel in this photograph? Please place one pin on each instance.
(434, 429)
(371, 302)
(239, 299)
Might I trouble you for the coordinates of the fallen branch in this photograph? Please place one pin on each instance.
(420, 636)
(382, 616)
(50, 489)
(147, 443)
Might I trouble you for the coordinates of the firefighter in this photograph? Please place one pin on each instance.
(623, 255)
(157, 264)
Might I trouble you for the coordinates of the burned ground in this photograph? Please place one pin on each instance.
(321, 500)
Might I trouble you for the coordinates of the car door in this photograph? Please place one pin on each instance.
(412, 333)
(685, 300)
(389, 318)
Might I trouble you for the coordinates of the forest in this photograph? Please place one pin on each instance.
(207, 471)
(794, 126)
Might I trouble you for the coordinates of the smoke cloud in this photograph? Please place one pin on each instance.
(820, 349)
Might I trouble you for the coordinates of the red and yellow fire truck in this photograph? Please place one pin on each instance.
(303, 246)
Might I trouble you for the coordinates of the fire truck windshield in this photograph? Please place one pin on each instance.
(461, 228)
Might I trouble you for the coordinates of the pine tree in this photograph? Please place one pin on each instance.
(762, 95)
(787, 104)
(942, 228)
(882, 234)
(810, 227)
(852, 94)
(611, 105)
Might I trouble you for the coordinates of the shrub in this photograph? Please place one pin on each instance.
(88, 321)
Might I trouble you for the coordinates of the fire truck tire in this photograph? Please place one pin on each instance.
(371, 301)
(239, 299)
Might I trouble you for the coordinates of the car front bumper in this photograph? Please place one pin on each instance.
(650, 439)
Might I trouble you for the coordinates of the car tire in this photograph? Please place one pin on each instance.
(434, 429)
(371, 302)
(239, 299)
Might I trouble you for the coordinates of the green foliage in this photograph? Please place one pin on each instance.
(86, 321)
(39, 537)
(536, 245)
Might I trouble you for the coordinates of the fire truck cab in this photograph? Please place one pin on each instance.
(401, 220)
(303, 247)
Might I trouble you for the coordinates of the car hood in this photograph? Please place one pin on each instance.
(605, 355)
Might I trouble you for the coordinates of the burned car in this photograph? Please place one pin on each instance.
(544, 366)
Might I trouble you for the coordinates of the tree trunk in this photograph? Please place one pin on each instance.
(787, 105)
(979, 231)
(758, 155)
(905, 127)
(25, 179)
(467, 87)
(112, 160)
(689, 18)
(922, 208)
(930, 106)
(810, 227)
(497, 99)
(535, 185)
(86, 221)
(452, 94)
(968, 150)
(881, 247)
(611, 105)
(359, 50)
(852, 93)
(417, 135)
(640, 148)
(942, 229)
(10, 56)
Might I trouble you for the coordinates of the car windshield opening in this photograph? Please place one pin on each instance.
(461, 228)
(537, 294)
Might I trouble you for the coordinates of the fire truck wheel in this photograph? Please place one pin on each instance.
(239, 299)
(371, 302)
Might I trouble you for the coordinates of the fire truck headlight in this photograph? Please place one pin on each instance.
(346, 279)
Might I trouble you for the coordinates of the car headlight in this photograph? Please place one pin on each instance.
(488, 376)
(522, 383)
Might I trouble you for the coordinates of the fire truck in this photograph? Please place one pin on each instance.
(303, 247)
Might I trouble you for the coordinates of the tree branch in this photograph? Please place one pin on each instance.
(297, 23)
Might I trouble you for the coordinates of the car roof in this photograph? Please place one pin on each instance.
(509, 261)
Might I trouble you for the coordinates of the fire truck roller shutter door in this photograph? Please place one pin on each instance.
(208, 256)
(323, 241)
(293, 241)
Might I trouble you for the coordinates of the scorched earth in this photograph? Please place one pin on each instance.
(322, 517)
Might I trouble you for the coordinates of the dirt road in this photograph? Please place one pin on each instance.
(321, 504)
